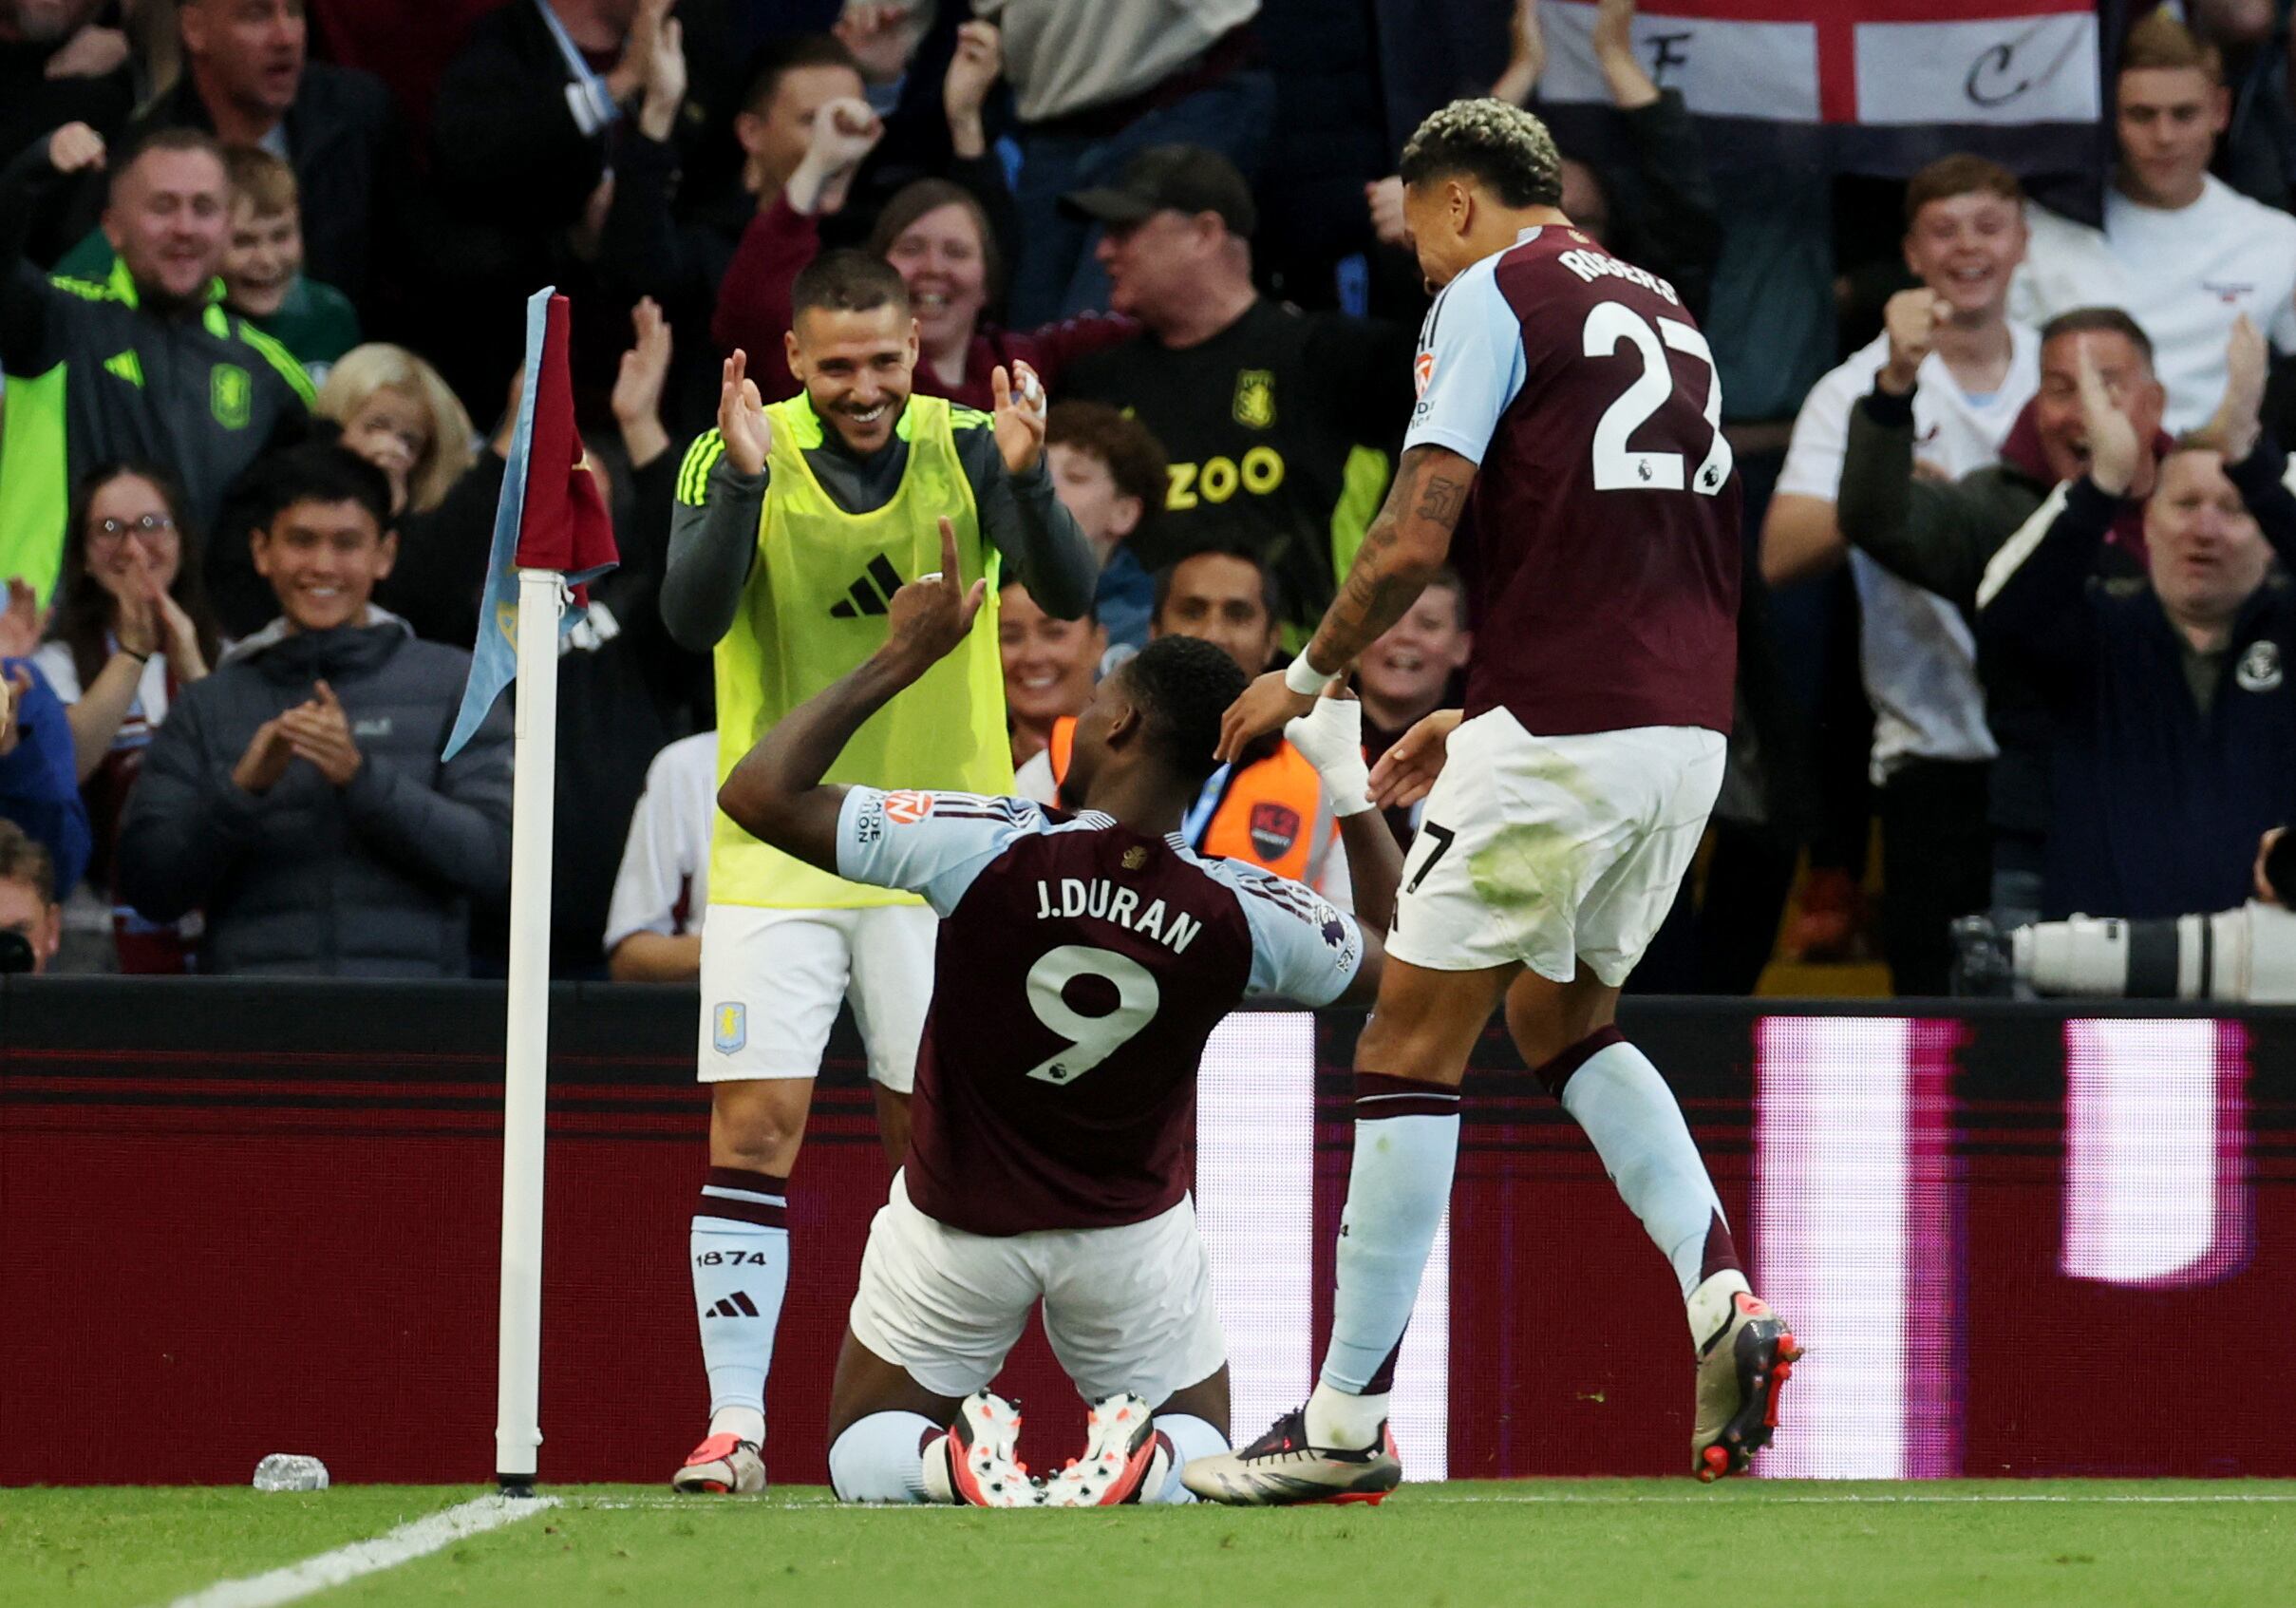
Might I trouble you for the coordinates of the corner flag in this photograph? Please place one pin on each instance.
(551, 516)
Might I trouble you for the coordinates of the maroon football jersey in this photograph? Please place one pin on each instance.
(1079, 969)
(1600, 543)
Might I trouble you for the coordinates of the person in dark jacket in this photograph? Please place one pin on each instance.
(1947, 537)
(249, 81)
(296, 793)
(145, 364)
(2172, 715)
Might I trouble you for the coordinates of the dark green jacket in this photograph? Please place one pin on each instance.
(93, 376)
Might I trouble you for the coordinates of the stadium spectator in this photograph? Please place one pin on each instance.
(2174, 730)
(142, 366)
(38, 793)
(1050, 666)
(249, 80)
(653, 923)
(262, 272)
(296, 794)
(399, 414)
(1111, 474)
(58, 64)
(1271, 811)
(132, 631)
(1280, 425)
(1972, 371)
(1944, 536)
(393, 409)
(1094, 88)
(1412, 671)
(29, 916)
(522, 133)
(950, 236)
(2180, 251)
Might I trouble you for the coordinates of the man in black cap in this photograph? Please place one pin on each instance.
(1281, 425)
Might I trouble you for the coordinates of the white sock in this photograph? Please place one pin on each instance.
(1406, 1144)
(1191, 1438)
(1627, 1110)
(880, 1457)
(740, 1251)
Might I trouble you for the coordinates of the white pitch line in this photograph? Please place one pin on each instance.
(328, 1569)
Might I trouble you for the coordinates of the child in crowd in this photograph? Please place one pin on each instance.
(263, 277)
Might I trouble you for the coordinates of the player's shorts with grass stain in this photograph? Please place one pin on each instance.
(1554, 850)
(1126, 1308)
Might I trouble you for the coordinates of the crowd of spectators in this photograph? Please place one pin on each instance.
(2017, 610)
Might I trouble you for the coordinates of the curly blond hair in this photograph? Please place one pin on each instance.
(1503, 146)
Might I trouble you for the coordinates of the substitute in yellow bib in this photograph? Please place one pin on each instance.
(794, 526)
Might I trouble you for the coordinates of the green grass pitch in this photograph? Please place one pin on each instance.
(1583, 1544)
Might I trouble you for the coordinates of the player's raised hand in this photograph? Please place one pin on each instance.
(1910, 318)
(741, 417)
(1406, 772)
(2113, 449)
(933, 613)
(1018, 403)
(75, 149)
(1266, 705)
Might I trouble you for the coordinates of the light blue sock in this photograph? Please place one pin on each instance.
(1637, 1128)
(740, 1254)
(1406, 1144)
(1191, 1438)
(880, 1457)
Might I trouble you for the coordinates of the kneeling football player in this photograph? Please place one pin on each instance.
(1082, 962)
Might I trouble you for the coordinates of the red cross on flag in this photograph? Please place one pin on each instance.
(1877, 86)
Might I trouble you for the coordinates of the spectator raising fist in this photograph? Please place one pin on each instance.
(844, 132)
(1910, 318)
(75, 149)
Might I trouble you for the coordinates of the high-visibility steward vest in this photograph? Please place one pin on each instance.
(816, 607)
(1272, 815)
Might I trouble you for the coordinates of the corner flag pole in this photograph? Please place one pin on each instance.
(526, 1059)
(551, 531)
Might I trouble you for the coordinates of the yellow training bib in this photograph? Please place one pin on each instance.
(816, 607)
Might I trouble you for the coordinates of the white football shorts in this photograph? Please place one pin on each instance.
(771, 980)
(1554, 850)
(1127, 1308)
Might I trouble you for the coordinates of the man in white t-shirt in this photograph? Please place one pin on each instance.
(2182, 251)
(1965, 237)
(653, 926)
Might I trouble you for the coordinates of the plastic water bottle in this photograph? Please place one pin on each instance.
(286, 1471)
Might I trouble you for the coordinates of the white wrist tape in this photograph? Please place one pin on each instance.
(1305, 680)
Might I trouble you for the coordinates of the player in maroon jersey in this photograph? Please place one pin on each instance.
(1082, 962)
(1568, 429)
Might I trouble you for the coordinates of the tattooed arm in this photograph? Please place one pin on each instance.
(1406, 545)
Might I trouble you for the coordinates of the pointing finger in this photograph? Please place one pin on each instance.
(951, 573)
